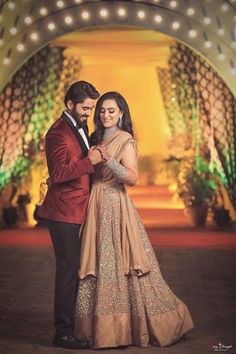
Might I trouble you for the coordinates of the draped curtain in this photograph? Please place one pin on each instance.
(207, 109)
(28, 106)
(178, 122)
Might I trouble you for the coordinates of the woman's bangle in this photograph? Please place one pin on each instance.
(118, 170)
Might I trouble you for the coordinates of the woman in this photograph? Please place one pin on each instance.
(122, 297)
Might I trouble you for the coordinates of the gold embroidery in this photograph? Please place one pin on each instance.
(135, 309)
(117, 169)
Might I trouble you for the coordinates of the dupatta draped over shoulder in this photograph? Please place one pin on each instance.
(133, 255)
(122, 296)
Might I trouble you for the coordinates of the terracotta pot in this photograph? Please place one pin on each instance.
(221, 217)
(10, 216)
(198, 215)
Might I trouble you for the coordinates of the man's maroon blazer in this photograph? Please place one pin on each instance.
(69, 168)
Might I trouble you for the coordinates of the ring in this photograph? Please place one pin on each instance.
(98, 149)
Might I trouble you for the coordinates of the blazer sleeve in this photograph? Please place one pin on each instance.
(60, 169)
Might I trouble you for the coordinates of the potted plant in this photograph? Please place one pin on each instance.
(196, 187)
(10, 216)
(22, 201)
(10, 213)
(221, 215)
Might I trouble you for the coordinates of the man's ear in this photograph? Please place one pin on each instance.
(69, 104)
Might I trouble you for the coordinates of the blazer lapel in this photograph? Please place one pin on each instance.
(77, 134)
(86, 132)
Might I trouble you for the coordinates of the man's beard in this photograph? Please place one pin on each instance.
(79, 118)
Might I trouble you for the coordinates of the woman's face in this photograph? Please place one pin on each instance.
(110, 113)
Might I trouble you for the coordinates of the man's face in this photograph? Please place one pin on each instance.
(81, 111)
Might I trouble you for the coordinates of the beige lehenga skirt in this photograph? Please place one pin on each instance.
(122, 296)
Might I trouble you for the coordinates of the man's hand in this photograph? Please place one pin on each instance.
(94, 155)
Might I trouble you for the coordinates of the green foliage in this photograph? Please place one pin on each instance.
(4, 179)
(18, 173)
(196, 183)
(20, 170)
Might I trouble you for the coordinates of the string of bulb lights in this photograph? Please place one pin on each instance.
(201, 24)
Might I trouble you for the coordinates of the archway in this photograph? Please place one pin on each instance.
(103, 13)
(208, 27)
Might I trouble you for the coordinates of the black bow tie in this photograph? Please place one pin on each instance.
(78, 126)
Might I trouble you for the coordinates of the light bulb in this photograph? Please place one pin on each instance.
(85, 15)
(13, 30)
(43, 11)
(60, 4)
(141, 14)
(103, 13)
(11, 5)
(233, 44)
(221, 56)
(208, 44)
(68, 20)
(224, 7)
(20, 47)
(173, 4)
(175, 25)
(34, 36)
(190, 11)
(233, 71)
(121, 12)
(221, 31)
(207, 20)
(158, 18)
(28, 20)
(6, 61)
(192, 33)
(51, 26)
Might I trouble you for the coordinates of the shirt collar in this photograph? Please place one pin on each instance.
(72, 119)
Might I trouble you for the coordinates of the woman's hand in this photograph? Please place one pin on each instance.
(94, 155)
(103, 152)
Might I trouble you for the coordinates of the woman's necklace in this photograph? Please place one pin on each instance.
(109, 131)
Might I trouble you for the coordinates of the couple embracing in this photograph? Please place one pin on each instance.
(109, 291)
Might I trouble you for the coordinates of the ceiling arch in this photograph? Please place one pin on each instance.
(208, 26)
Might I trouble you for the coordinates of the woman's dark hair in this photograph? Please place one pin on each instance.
(97, 135)
(79, 91)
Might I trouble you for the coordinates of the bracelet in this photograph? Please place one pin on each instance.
(118, 170)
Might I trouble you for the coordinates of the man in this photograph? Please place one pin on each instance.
(70, 162)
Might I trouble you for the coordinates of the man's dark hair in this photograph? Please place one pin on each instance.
(79, 91)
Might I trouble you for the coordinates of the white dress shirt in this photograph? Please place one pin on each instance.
(81, 131)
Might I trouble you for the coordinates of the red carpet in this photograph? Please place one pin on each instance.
(185, 238)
